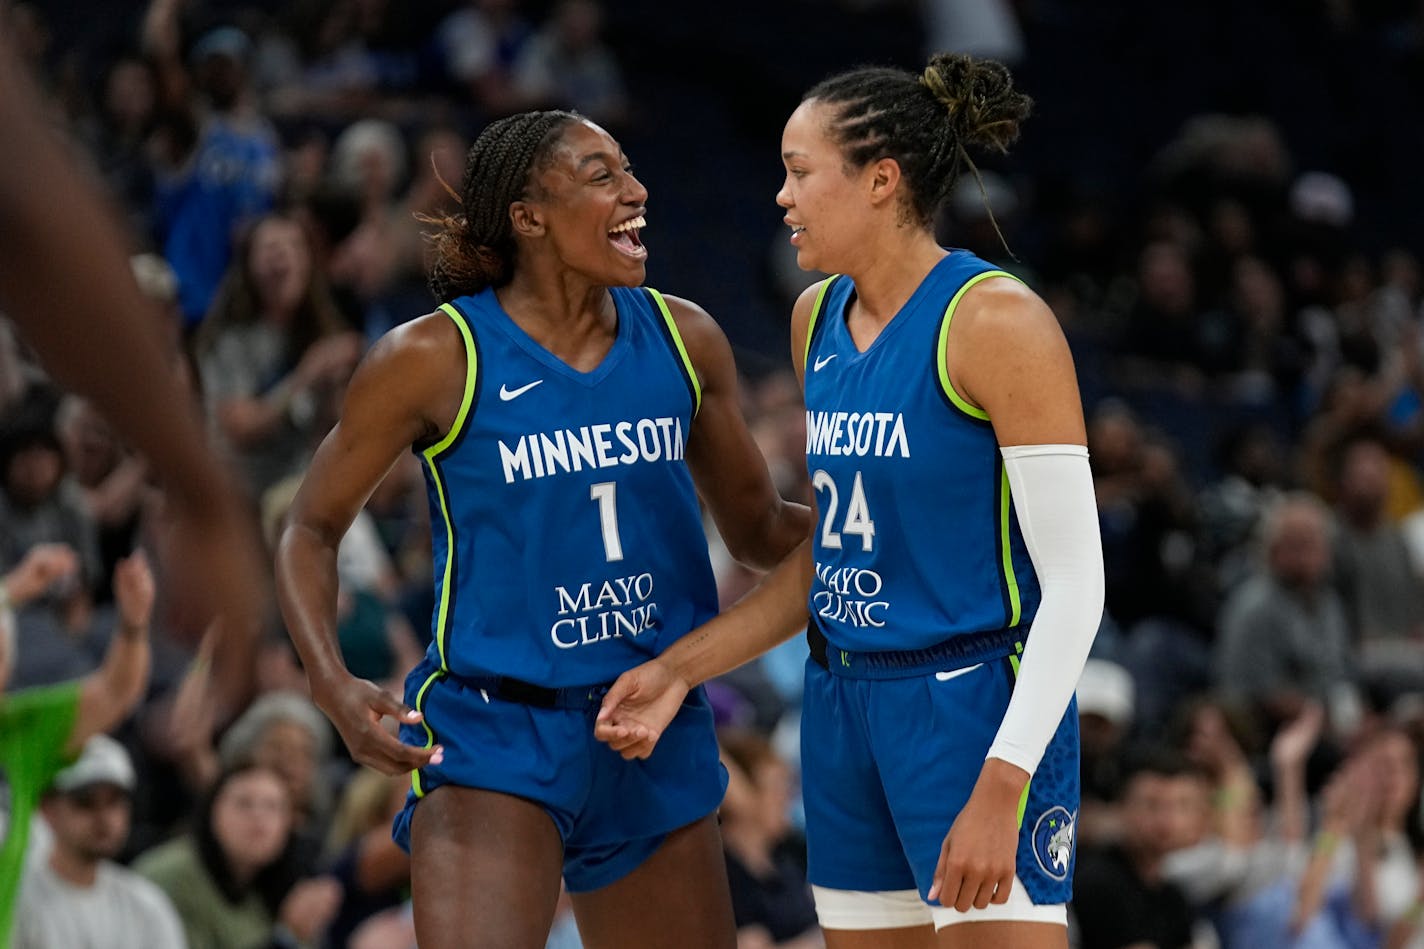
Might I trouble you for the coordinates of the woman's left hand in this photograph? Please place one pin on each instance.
(977, 861)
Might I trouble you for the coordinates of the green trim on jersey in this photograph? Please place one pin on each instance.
(681, 349)
(1023, 798)
(1011, 580)
(959, 401)
(815, 315)
(431, 456)
(425, 723)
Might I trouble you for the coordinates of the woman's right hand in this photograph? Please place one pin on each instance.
(638, 707)
(357, 707)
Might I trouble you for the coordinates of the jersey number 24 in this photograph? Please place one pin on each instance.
(857, 515)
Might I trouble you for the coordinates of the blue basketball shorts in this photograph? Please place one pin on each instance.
(887, 764)
(610, 813)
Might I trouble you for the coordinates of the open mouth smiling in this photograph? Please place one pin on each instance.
(625, 237)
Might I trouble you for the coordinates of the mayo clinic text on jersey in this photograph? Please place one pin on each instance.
(595, 612)
(850, 596)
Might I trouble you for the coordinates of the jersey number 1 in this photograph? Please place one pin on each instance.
(857, 519)
(603, 493)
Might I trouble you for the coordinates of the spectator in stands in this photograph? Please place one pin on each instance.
(218, 160)
(232, 877)
(384, 259)
(1284, 638)
(1121, 898)
(769, 889)
(40, 504)
(42, 729)
(117, 137)
(1254, 464)
(480, 43)
(1380, 585)
(1106, 699)
(274, 353)
(1245, 867)
(1363, 876)
(285, 732)
(373, 871)
(112, 483)
(1162, 336)
(567, 65)
(1353, 404)
(78, 896)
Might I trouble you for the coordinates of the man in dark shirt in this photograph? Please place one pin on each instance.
(1120, 897)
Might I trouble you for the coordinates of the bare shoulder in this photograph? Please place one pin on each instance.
(416, 371)
(1002, 307)
(696, 326)
(431, 338)
(1007, 355)
(706, 344)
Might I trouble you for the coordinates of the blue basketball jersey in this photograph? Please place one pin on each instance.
(917, 541)
(567, 534)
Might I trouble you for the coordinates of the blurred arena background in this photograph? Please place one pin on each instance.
(1220, 200)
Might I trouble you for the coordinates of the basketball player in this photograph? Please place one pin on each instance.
(954, 580)
(567, 420)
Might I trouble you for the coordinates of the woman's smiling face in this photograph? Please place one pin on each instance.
(591, 206)
(824, 200)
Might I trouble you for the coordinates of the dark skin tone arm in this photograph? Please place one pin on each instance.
(407, 391)
(645, 698)
(758, 525)
(65, 282)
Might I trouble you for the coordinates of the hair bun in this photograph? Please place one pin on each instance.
(979, 95)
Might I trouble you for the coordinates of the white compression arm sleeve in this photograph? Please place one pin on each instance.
(1052, 490)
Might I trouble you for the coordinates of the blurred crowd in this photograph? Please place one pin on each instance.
(1245, 308)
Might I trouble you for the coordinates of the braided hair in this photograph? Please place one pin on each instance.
(475, 248)
(924, 122)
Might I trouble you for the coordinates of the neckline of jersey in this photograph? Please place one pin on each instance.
(535, 349)
(855, 353)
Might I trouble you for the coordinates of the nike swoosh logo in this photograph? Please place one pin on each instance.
(956, 673)
(822, 362)
(506, 393)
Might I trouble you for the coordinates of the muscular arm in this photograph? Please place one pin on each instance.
(1009, 357)
(776, 609)
(408, 390)
(66, 282)
(758, 525)
(644, 699)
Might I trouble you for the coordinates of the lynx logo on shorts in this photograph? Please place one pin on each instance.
(1053, 842)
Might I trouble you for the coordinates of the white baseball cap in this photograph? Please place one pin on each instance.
(103, 761)
(1106, 689)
